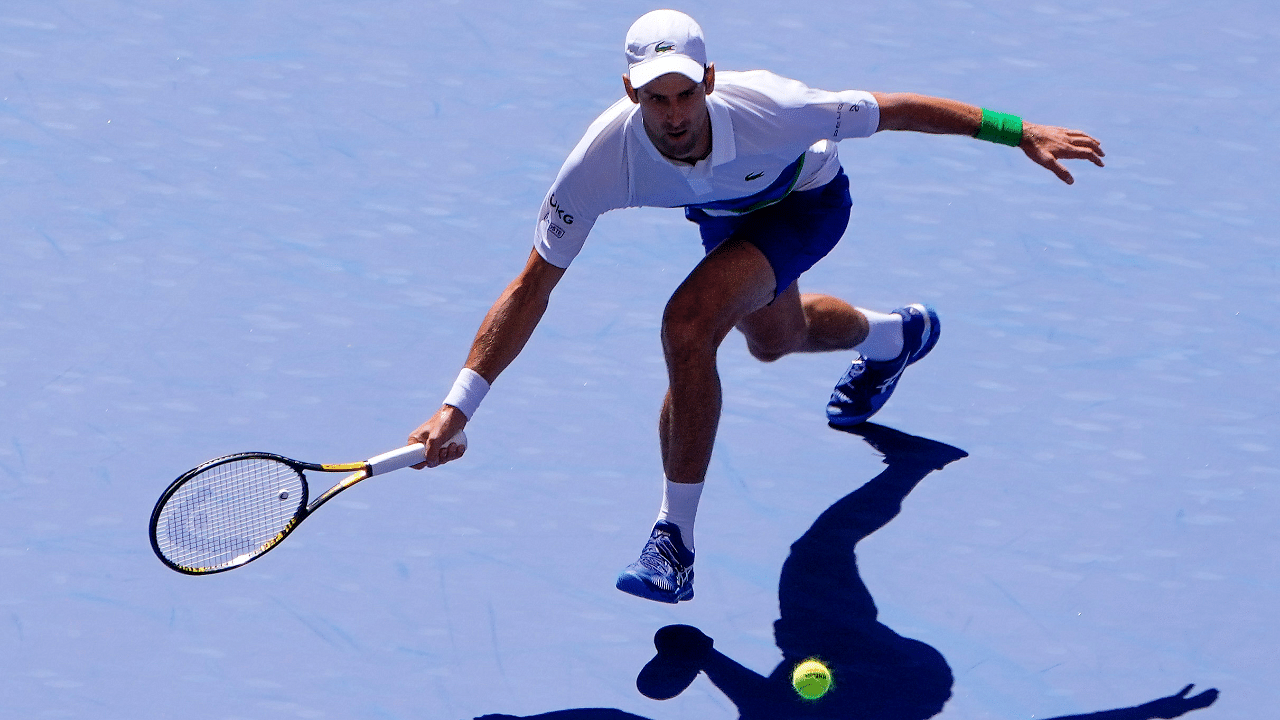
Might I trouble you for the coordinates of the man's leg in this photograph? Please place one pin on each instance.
(730, 283)
(885, 343)
(803, 323)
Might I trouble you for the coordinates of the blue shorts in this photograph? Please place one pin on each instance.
(793, 234)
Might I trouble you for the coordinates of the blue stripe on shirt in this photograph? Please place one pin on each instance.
(779, 189)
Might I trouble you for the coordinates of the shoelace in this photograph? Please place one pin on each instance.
(665, 554)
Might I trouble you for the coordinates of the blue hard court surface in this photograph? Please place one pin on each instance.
(241, 225)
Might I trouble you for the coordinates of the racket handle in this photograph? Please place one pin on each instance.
(406, 456)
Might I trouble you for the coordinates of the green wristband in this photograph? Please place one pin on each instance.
(1000, 128)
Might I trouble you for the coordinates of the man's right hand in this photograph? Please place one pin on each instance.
(502, 335)
(435, 433)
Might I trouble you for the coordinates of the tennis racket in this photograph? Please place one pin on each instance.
(232, 510)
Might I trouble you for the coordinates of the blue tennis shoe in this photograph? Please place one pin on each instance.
(664, 571)
(867, 384)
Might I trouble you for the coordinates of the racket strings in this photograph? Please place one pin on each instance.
(227, 513)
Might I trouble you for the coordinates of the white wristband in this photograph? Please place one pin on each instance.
(468, 390)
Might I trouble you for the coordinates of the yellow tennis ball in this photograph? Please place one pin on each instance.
(811, 679)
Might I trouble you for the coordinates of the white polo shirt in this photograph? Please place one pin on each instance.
(769, 136)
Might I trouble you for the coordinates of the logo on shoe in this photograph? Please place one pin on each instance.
(755, 176)
(888, 384)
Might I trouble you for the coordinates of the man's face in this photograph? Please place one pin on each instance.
(676, 119)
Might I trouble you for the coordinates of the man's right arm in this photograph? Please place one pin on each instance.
(503, 334)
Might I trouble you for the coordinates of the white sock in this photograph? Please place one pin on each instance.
(884, 339)
(680, 506)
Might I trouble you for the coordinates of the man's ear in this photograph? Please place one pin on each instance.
(709, 78)
(631, 92)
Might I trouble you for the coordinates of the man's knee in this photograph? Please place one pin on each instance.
(732, 282)
(688, 328)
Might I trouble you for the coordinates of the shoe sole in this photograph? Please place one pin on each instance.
(635, 585)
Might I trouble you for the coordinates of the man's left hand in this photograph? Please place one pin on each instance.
(1048, 146)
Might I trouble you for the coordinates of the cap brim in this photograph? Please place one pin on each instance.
(643, 73)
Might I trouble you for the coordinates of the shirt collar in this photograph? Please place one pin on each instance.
(723, 148)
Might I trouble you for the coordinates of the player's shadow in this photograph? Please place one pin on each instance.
(828, 613)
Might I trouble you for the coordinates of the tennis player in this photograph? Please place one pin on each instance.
(752, 159)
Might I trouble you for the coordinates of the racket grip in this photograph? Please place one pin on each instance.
(406, 456)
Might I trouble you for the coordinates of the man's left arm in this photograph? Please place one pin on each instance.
(1047, 145)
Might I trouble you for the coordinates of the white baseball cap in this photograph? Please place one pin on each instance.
(665, 41)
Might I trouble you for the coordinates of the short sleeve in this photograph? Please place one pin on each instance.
(785, 108)
(592, 181)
